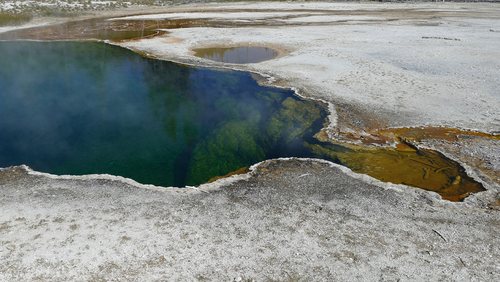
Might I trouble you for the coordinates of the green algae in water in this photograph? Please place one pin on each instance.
(85, 108)
(253, 136)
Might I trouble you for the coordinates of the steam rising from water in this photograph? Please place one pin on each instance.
(82, 108)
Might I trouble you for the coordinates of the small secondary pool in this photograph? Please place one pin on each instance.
(237, 55)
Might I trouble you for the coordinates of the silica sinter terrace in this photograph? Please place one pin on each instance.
(85, 108)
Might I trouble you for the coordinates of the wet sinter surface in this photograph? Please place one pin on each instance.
(82, 108)
(96, 29)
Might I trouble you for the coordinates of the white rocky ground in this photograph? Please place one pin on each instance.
(402, 64)
(290, 221)
(22, 6)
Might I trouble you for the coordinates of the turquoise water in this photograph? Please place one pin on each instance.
(83, 108)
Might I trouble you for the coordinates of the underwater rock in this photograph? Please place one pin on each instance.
(233, 145)
(249, 138)
(292, 120)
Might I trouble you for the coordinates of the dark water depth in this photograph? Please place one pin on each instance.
(84, 108)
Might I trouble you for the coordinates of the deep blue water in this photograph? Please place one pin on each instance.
(82, 108)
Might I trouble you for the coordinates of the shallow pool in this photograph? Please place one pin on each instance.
(237, 55)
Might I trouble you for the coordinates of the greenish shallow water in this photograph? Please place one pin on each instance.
(84, 108)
